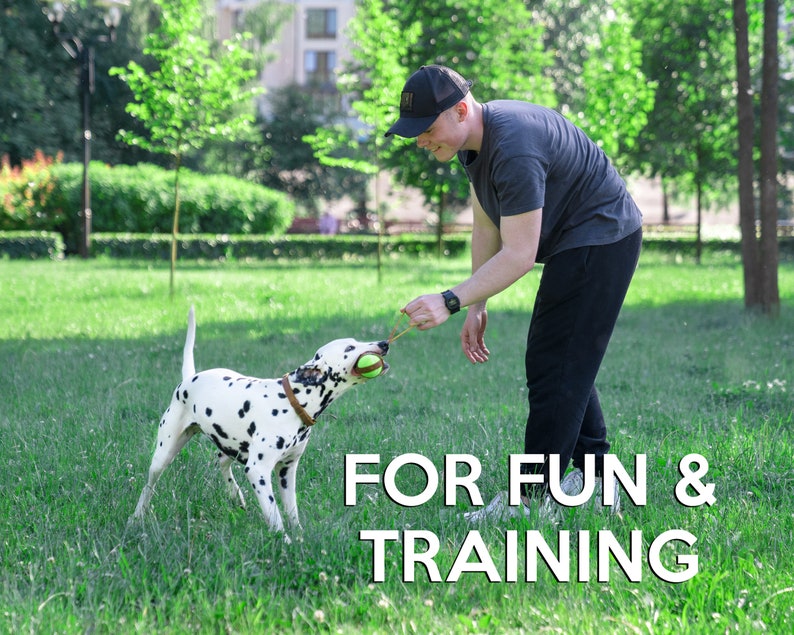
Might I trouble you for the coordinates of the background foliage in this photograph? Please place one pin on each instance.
(551, 51)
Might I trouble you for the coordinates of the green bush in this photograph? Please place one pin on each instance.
(24, 193)
(141, 199)
(31, 245)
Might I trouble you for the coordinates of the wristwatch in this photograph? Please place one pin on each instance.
(451, 301)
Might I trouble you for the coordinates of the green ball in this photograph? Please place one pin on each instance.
(372, 365)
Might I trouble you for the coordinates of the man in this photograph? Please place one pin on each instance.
(541, 191)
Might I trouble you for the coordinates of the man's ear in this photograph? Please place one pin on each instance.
(462, 110)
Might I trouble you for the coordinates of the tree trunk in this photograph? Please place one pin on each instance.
(442, 203)
(699, 228)
(175, 228)
(757, 283)
(770, 295)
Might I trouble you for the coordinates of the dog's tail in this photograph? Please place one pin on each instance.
(188, 366)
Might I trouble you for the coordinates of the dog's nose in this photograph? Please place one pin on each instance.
(384, 346)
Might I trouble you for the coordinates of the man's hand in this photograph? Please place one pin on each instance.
(427, 311)
(471, 335)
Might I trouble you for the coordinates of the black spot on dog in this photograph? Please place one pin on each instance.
(274, 412)
(243, 451)
(284, 483)
(246, 407)
(260, 456)
(262, 481)
(208, 412)
(184, 395)
(252, 429)
(227, 378)
(220, 431)
(281, 395)
(271, 499)
(279, 442)
(195, 377)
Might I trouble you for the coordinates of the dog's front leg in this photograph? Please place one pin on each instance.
(259, 477)
(287, 472)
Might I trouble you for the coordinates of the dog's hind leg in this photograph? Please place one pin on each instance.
(169, 442)
(235, 493)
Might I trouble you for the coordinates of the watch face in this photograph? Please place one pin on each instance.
(452, 302)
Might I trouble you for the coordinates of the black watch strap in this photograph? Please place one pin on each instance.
(451, 301)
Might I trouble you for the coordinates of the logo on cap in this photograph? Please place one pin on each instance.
(407, 102)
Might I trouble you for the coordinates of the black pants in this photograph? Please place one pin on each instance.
(578, 302)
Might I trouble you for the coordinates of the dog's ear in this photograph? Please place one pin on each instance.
(310, 375)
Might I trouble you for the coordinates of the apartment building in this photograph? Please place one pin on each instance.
(310, 46)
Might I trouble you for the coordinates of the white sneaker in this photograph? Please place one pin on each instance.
(573, 483)
(498, 510)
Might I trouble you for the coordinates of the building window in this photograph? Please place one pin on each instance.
(238, 20)
(319, 67)
(321, 23)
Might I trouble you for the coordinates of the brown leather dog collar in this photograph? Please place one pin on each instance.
(300, 410)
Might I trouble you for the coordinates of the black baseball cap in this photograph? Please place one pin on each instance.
(428, 92)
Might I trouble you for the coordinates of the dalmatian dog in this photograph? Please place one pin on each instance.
(264, 424)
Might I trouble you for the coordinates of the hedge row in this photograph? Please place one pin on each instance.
(228, 247)
(31, 245)
(140, 199)
(298, 246)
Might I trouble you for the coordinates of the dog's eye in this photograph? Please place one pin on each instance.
(349, 348)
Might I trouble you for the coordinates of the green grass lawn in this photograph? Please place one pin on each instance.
(90, 352)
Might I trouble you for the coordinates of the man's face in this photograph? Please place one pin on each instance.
(445, 137)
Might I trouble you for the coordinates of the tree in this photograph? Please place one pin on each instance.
(597, 71)
(618, 96)
(37, 80)
(374, 81)
(689, 140)
(288, 163)
(190, 97)
(759, 241)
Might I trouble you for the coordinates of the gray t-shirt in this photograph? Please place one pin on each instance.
(532, 158)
